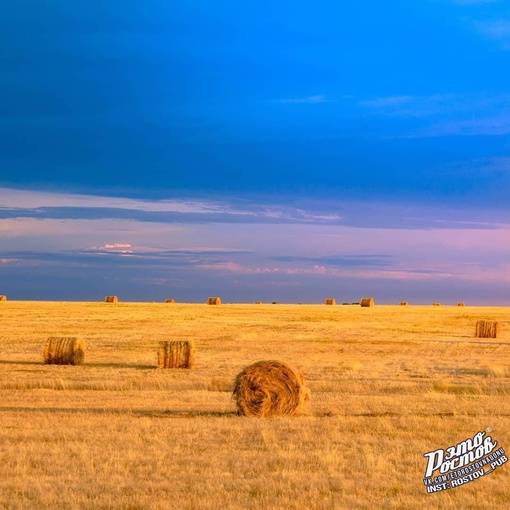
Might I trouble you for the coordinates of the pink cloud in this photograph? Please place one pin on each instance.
(116, 248)
(222, 266)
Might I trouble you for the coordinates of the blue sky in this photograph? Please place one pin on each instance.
(284, 152)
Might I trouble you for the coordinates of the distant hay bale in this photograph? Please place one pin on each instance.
(63, 350)
(111, 299)
(461, 304)
(436, 304)
(367, 302)
(3, 298)
(214, 301)
(169, 300)
(403, 303)
(270, 388)
(487, 329)
(258, 302)
(176, 354)
(330, 301)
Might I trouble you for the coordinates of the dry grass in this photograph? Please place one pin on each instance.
(176, 354)
(270, 388)
(116, 433)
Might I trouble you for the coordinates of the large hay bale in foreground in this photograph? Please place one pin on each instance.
(111, 299)
(176, 354)
(330, 301)
(169, 301)
(487, 329)
(270, 388)
(367, 302)
(3, 298)
(64, 350)
(214, 301)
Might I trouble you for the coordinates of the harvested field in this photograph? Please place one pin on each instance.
(116, 432)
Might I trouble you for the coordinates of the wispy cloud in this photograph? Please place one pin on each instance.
(435, 105)
(490, 126)
(388, 102)
(117, 248)
(29, 199)
(309, 100)
(83, 217)
(474, 2)
(447, 114)
(495, 29)
(356, 260)
(39, 205)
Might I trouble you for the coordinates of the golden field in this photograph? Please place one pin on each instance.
(388, 384)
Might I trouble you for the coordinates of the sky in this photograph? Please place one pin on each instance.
(270, 151)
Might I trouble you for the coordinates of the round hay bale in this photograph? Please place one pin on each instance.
(170, 301)
(111, 299)
(404, 303)
(330, 301)
(214, 301)
(270, 388)
(64, 350)
(367, 302)
(461, 304)
(436, 304)
(176, 354)
(258, 302)
(3, 298)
